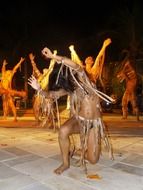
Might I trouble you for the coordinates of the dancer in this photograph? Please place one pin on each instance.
(92, 67)
(43, 108)
(6, 82)
(129, 75)
(86, 118)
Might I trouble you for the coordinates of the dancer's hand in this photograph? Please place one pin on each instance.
(107, 42)
(32, 81)
(5, 62)
(31, 56)
(22, 59)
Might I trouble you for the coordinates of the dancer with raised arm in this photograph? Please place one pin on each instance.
(86, 118)
(6, 82)
(43, 108)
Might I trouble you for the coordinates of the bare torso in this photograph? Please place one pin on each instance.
(88, 105)
(7, 79)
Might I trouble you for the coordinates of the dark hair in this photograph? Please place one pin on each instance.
(64, 80)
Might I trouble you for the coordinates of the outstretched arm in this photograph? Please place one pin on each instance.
(60, 59)
(33, 82)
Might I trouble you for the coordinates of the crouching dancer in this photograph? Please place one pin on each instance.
(86, 118)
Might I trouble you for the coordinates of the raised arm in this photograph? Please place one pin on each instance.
(4, 66)
(44, 79)
(60, 59)
(36, 71)
(74, 56)
(17, 65)
(101, 55)
(52, 62)
(95, 71)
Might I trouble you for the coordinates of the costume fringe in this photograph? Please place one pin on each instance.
(100, 135)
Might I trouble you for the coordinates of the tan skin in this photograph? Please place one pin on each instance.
(36, 71)
(88, 110)
(7, 75)
(94, 68)
(6, 82)
(4, 91)
(43, 79)
(130, 92)
(71, 126)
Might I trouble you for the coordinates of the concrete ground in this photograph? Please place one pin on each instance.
(29, 154)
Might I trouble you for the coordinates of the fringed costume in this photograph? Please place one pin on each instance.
(86, 89)
(86, 118)
(45, 109)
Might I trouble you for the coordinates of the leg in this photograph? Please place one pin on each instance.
(5, 106)
(37, 108)
(12, 106)
(70, 127)
(134, 106)
(94, 145)
(125, 105)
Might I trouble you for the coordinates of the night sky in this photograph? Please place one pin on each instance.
(28, 26)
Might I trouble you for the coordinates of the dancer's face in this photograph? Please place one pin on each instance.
(89, 60)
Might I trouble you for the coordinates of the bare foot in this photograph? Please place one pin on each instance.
(61, 169)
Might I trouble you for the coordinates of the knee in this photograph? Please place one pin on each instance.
(93, 160)
(63, 134)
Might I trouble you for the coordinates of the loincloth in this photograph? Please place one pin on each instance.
(98, 127)
(88, 124)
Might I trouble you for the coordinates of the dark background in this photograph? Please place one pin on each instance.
(28, 26)
(31, 25)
